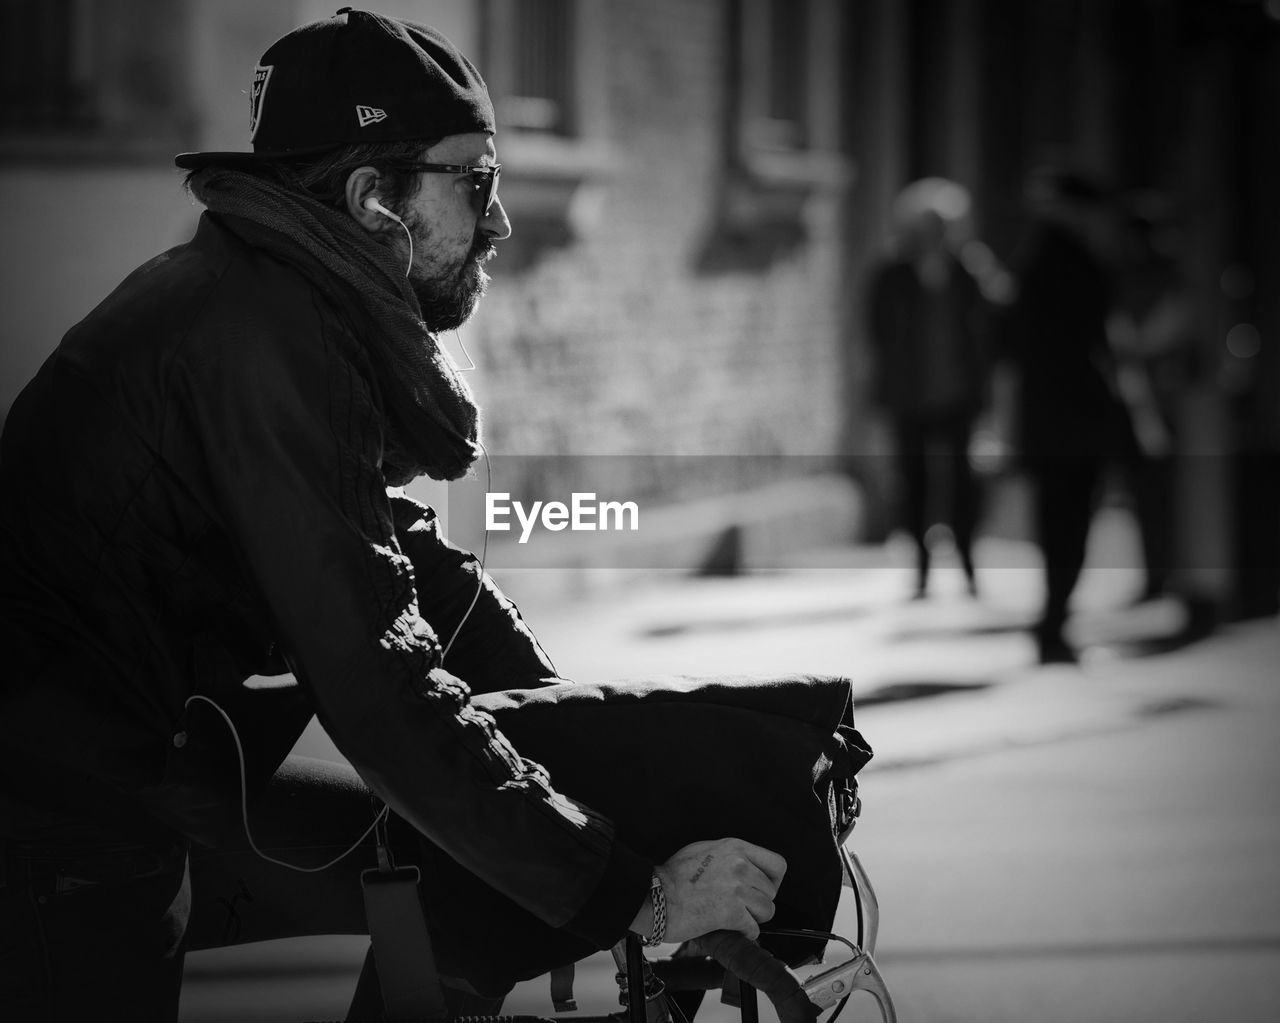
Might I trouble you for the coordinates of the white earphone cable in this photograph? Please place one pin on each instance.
(375, 205)
(471, 362)
(408, 234)
(484, 553)
(244, 804)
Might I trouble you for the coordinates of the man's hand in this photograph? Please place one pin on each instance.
(727, 884)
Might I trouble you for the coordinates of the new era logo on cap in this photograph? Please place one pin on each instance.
(369, 115)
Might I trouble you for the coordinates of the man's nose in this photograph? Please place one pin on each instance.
(495, 223)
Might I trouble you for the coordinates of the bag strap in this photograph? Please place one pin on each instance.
(411, 991)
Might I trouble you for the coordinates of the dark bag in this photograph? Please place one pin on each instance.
(670, 761)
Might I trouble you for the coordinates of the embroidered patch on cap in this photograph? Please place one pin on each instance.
(257, 94)
(369, 115)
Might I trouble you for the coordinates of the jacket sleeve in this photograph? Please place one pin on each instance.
(291, 449)
(487, 641)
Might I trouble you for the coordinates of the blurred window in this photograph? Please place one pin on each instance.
(84, 79)
(47, 65)
(532, 70)
(776, 60)
(547, 64)
(784, 75)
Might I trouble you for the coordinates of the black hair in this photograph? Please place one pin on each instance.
(323, 177)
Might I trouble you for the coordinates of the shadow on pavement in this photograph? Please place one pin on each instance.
(771, 620)
(1199, 620)
(956, 630)
(1177, 705)
(1121, 633)
(897, 692)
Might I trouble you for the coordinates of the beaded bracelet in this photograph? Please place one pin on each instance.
(659, 899)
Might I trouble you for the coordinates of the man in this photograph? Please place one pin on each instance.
(1070, 418)
(195, 493)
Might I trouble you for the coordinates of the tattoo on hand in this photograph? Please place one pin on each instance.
(702, 869)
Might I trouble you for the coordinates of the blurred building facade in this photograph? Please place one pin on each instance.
(697, 188)
(673, 281)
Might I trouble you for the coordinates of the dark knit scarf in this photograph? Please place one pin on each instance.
(432, 421)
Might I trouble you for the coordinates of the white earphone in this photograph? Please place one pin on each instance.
(373, 204)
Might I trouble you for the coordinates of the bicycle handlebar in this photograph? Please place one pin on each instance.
(753, 965)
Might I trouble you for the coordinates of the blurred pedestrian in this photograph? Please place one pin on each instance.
(925, 321)
(1153, 336)
(1070, 420)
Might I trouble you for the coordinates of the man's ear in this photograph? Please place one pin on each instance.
(362, 185)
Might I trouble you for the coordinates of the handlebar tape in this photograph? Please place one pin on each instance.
(753, 965)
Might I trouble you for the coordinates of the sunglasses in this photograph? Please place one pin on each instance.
(483, 179)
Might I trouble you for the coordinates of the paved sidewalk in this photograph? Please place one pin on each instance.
(1124, 870)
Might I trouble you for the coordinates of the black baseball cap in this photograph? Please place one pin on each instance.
(356, 77)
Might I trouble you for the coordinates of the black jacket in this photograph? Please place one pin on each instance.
(191, 493)
(899, 325)
(1055, 335)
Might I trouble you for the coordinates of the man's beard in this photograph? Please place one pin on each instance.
(447, 300)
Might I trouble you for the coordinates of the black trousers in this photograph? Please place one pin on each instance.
(1065, 494)
(932, 460)
(1151, 482)
(95, 923)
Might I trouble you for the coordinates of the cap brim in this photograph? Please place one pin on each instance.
(194, 161)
